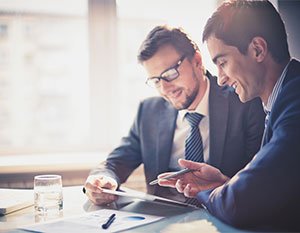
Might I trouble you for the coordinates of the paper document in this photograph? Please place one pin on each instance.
(14, 199)
(93, 221)
(195, 226)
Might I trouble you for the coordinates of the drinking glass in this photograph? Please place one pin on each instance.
(48, 194)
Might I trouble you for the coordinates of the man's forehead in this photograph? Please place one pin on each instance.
(218, 49)
(213, 46)
(166, 50)
(161, 61)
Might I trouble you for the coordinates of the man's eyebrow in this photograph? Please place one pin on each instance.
(217, 57)
(171, 67)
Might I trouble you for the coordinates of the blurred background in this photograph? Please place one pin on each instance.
(70, 82)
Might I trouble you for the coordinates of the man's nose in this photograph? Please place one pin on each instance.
(222, 78)
(165, 85)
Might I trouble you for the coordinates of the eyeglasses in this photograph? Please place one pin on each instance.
(168, 75)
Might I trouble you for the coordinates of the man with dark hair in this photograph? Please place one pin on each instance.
(228, 25)
(230, 132)
(248, 43)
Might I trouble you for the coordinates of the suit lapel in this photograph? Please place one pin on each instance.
(292, 70)
(218, 115)
(167, 124)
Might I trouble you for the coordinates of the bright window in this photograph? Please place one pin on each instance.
(44, 81)
(69, 77)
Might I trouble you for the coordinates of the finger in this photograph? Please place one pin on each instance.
(180, 186)
(187, 191)
(191, 164)
(93, 187)
(160, 176)
(89, 187)
(92, 183)
(104, 182)
(167, 183)
(101, 182)
(101, 198)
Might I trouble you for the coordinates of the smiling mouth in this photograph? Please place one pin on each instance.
(175, 94)
(234, 85)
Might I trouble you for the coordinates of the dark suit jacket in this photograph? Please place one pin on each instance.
(267, 191)
(235, 135)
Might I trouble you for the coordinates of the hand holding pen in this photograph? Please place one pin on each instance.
(94, 186)
(197, 177)
(172, 175)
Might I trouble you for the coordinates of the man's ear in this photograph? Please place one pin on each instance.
(197, 59)
(259, 48)
(197, 62)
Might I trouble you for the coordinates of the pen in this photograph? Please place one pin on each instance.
(109, 221)
(181, 172)
(108, 191)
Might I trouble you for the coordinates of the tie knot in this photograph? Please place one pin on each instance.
(194, 118)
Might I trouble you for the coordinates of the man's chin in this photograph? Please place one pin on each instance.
(178, 106)
(244, 99)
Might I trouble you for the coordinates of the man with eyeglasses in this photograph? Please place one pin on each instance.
(230, 132)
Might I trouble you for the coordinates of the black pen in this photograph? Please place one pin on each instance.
(109, 221)
(181, 172)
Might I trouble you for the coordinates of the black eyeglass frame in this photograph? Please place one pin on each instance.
(150, 81)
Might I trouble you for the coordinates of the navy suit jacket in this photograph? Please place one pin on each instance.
(267, 192)
(235, 135)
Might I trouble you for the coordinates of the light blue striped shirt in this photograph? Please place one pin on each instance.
(276, 90)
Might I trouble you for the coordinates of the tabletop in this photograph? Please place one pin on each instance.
(176, 219)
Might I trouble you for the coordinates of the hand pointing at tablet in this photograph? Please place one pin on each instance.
(203, 177)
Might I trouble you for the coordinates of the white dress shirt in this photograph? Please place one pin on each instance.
(183, 128)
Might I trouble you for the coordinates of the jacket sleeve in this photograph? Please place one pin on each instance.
(121, 162)
(267, 190)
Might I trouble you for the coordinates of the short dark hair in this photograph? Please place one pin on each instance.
(164, 35)
(237, 22)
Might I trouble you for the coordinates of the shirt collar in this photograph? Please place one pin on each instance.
(277, 88)
(202, 107)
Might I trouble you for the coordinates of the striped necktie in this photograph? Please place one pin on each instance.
(194, 146)
(193, 142)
